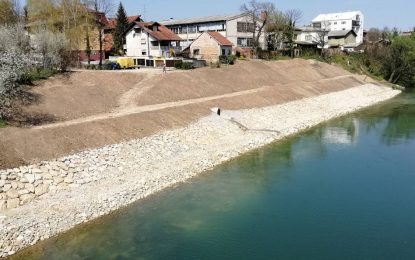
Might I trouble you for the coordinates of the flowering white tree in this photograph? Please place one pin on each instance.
(53, 48)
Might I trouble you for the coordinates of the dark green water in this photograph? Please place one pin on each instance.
(344, 190)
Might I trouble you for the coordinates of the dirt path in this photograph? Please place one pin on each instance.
(128, 107)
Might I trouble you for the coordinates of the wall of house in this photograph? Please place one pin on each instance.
(226, 28)
(137, 44)
(209, 49)
(232, 31)
(350, 39)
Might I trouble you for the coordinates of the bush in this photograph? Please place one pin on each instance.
(227, 59)
(2, 123)
(183, 65)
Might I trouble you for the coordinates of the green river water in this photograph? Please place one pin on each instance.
(342, 190)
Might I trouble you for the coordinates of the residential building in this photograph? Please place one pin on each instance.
(311, 36)
(109, 29)
(150, 43)
(237, 28)
(342, 38)
(209, 46)
(345, 21)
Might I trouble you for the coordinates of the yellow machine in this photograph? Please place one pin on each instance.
(125, 63)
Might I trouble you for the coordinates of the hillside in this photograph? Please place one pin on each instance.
(93, 108)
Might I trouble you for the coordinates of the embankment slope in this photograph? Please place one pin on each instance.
(94, 108)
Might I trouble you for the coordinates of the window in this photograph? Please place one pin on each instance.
(244, 42)
(344, 22)
(335, 22)
(223, 52)
(196, 52)
(245, 27)
(143, 42)
(308, 38)
(144, 52)
(192, 29)
(137, 30)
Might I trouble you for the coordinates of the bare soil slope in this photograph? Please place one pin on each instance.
(99, 108)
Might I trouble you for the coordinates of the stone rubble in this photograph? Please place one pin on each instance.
(41, 200)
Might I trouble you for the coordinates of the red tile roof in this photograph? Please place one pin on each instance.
(162, 33)
(112, 22)
(222, 40)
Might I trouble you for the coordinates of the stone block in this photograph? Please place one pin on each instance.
(13, 203)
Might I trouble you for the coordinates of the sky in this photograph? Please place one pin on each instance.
(378, 13)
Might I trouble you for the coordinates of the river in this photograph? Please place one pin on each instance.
(342, 190)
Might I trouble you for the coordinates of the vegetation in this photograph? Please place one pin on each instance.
(2, 123)
(121, 27)
(227, 59)
(9, 13)
(183, 65)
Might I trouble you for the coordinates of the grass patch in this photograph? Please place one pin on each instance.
(37, 74)
(2, 123)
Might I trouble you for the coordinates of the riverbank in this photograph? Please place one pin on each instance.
(99, 181)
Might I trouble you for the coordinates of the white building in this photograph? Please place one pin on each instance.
(150, 43)
(311, 36)
(342, 22)
(238, 28)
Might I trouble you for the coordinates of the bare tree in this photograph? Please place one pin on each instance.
(374, 34)
(276, 30)
(293, 17)
(101, 8)
(321, 37)
(259, 13)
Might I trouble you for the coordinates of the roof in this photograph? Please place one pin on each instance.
(112, 22)
(308, 29)
(342, 33)
(222, 40)
(337, 16)
(205, 19)
(162, 34)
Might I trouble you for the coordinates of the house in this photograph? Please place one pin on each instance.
(151, 43)
(109, 29)
(342, 38)
(346, 21)
(237, 28)
(209, 46)
(311, 36)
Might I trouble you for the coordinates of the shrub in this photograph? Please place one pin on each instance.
(227, 59)
(183, 65)
(53, 49)
(2, 123)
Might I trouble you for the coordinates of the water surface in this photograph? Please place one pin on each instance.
(343, 190)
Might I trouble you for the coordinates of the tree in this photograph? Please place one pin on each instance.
(9, 12)
(374, 34)
(101, 8)
(88, 48)
(259, 13)
(276, 30)
(399, 63)
(293, 17)
(120, 28)
(322, 37)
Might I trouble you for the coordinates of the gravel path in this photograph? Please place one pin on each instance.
(129, 171)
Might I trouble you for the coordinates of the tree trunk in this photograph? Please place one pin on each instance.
(100, 47)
